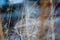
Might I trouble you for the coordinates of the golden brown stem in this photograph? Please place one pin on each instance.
(42, 19)
(1, 32)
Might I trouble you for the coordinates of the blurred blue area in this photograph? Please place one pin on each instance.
(11, 2)
(14, 37)
(57, 11)
(2, 2)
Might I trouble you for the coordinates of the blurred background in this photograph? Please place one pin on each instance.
(29, 19)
